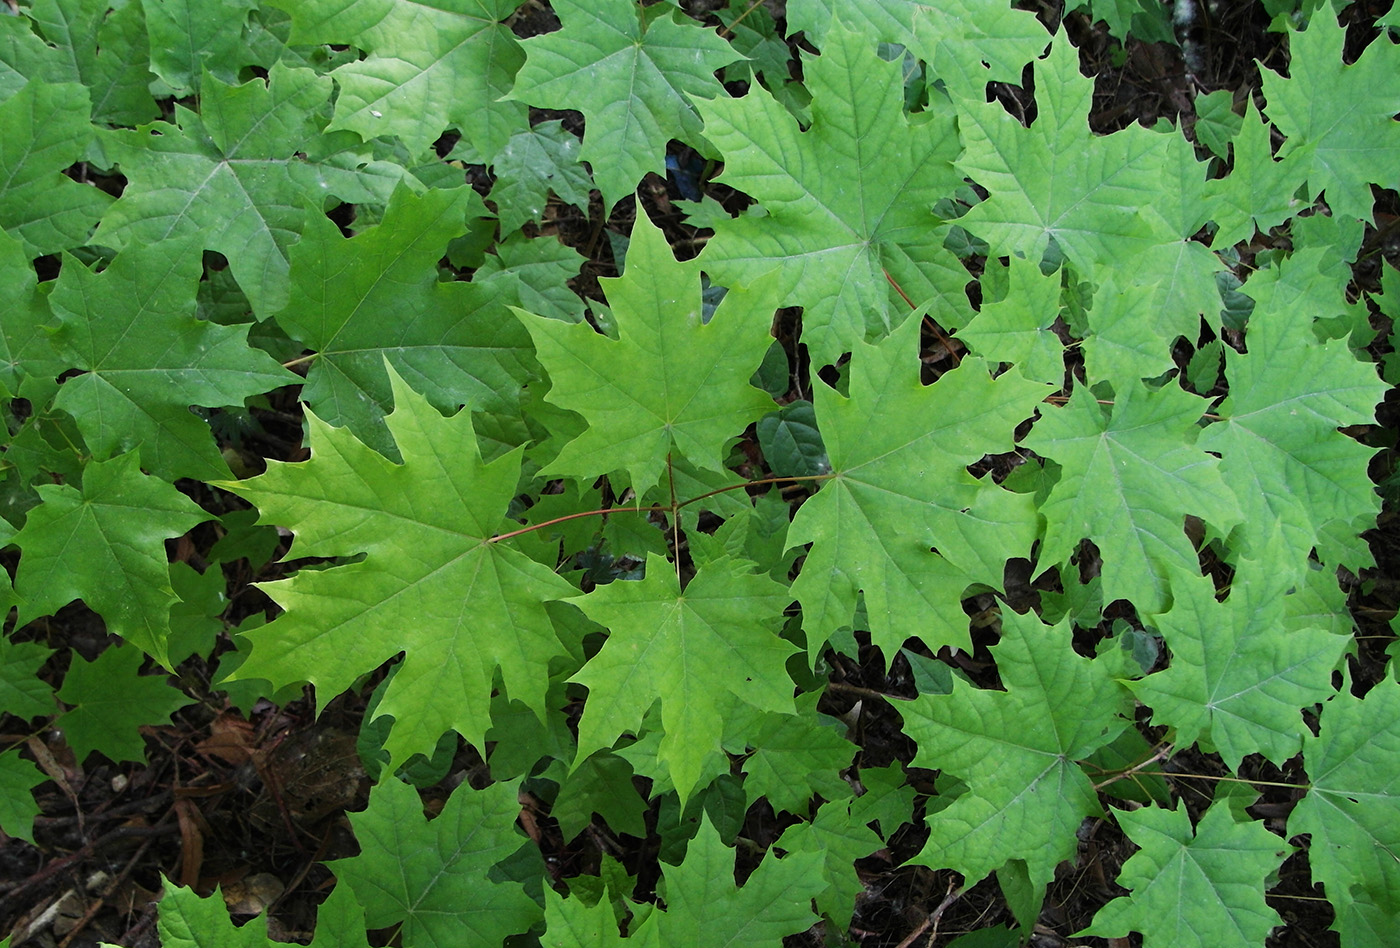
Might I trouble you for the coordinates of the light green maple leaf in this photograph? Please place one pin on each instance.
(1194, 890)
(431, 877)
(846, 201)
(533, 163)
(188, 921)
(839, 837)
(375, 299)
(1345, 140)
(1352, 808)
(1016, 328)
(103, 46)
(1281, 452)
(110, 701)
(432, 585)
(704, 907)
(900, 491)
(689, 649)
(790, 756)
(573, 923)
(28, 364)
(105, 545)
(22, 692)
(190, 38)
(234, 175)
(968, 43)
(1131, 473)
(430, 66)
(1237, 681)
(646, 395)
(633, 74)
(145, 358)
(1259, 192)
(44, 128)
(1017, 751)
(18, 778)
(533, 274)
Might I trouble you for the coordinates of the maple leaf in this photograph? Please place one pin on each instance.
(968, 43)
(691, 650)
(1234, 682)
(191, 38)
(105, 544)
(18, 778)
(706, 909)
(375, 299)
(633, 74)
(846, 201)
(131, 330)
(533, 163)
(21, 693)
(899, 491)
(1352, 807)
(1130, 476)
(1017, 327)
(104, 47)
(232, 175)
(645, 395)
(431, 877)
(188, 921)
(28, 364)
(1258, 193)
(1346, 139)
(110, 701)
(44, 129)
(1194, 890)
(840, 837)
(430, 66)
(432, 583)
(1280, 449)
(1017, 751)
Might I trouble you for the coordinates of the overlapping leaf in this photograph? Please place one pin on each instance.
(375, 299)
(634, 74)
(1130, 475)
(432, 585)
(902, 522)
(104, 47)
(848, 201)
(145, 359)
(110, 701)
(646, 395)
(1017, 751)
(694, 651)
(430, 66)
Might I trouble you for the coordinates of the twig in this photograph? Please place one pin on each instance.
(930, 924)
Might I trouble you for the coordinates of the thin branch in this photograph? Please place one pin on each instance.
(724, 32)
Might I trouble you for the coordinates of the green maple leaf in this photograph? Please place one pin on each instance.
(28, 364)
(1017, 327)
(839, 837)
(234, 175)
(188, 921)
(375, 299)
(18, 778)
(1017, 751)
(1352, 808)
(106, 49)
(145, 358)
(899, 490)
(431, 878)
(432, 584)
(968, 43)
(1259, 192)
(1194, 890)
(24, 56)
(105, 545)
(430, 66)
(847, 201)
(1234, 681)
(22, 693)
(688, 649)
(533, 163)
(890, 21)
(792, 756)
(1130, 476)
(706, 909)
(633, 74)
(573, 923)
(193, 37)
(110, 701)
(1280, 449)
(44, 128)
(646, 395)
(1345, 140)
